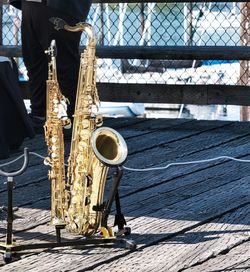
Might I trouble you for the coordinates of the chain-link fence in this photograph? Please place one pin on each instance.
(161, 24)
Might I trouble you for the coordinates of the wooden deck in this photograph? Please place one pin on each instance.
(191, 218)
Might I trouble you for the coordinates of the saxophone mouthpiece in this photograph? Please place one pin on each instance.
(58, 23)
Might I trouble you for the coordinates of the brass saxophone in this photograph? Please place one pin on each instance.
(56, 119)
(92, 150)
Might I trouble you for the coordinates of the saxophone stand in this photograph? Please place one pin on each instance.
(8, 246)
(106, 234)
(108, 238)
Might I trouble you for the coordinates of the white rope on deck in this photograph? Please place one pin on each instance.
(185, 163)
(20, 157)
(150, 168)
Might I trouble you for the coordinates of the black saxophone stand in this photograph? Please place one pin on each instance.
(9, 248)
(105, 210)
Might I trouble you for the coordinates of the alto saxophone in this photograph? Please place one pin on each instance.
(56, 119)
(92, 150)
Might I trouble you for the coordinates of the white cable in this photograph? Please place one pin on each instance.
(7, 163)
(38, 155)
(183, 163)
(18, 158)
(150, 168)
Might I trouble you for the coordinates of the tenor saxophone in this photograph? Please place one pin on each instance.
(56, 119)
(93, 148)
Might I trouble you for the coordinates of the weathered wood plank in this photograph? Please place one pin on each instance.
(162, 203)
(179, 200)
(152, 178)
(186, 149)
(170, 222)
(45, 171)
(237, 259)
(172, 190)
(38, 145)
(206, 244)
(40, 176)
(179, 135)
(182, 187)
(142, 128)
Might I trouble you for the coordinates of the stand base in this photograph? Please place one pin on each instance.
(9, 250)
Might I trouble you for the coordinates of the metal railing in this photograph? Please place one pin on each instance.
(164, 51)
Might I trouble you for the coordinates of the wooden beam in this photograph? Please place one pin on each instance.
(176, 94)
(175, 52)
(150, 93)
(139, 1)
(154, 1)
(157, 52)
(11, 51)
(168, 93)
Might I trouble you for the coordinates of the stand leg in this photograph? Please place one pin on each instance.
(7, 248)
(119, 217)
(114, 194)
(10, 211)
(58, 235)
(113, 191)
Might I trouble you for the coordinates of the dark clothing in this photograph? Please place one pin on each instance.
(76, 8)
(15, 125)
(16, 3)
(37, 33)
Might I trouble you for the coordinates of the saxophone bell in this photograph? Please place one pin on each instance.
(109, 146)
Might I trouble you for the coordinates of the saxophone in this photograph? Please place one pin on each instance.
(93, 148)
(56, 119)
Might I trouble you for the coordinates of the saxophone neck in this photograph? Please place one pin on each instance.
(51, 52)
(84, 27)
(79, 27)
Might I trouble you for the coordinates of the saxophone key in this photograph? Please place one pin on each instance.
(47, 161)
(87, 200)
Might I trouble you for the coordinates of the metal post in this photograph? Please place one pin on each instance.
(188, 24)
(1, 24)
(9, 211)
(244, 64)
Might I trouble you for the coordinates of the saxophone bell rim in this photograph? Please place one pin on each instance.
(122, 146)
